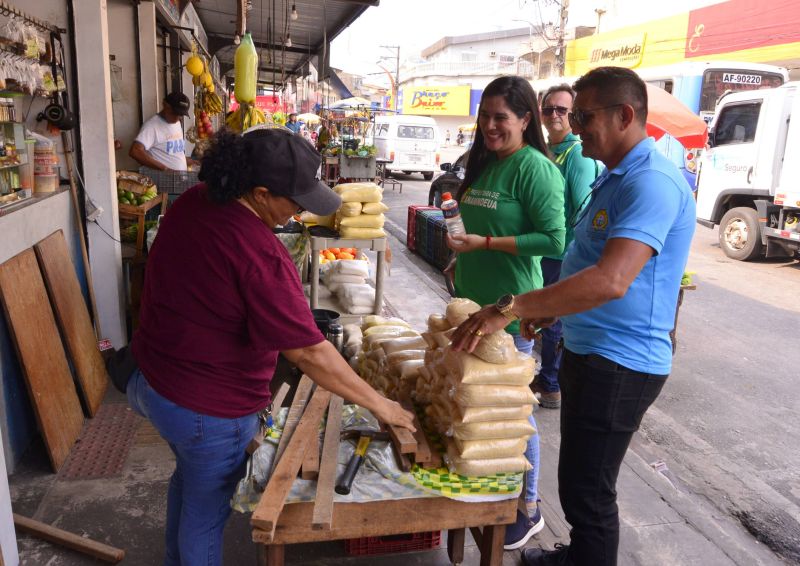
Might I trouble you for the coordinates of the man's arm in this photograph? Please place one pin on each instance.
(622, 260)
(140, 154)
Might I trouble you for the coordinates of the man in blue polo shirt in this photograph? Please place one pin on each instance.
(617, 295)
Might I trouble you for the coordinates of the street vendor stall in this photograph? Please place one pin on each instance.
(347, 155)
(462, 468)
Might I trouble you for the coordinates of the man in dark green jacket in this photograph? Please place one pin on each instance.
(579, 173)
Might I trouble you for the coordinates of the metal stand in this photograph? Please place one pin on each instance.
(318, 244)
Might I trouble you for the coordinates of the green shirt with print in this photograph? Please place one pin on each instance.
(521, 196)
(579, 173)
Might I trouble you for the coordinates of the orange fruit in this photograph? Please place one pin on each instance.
(329, 255)
(345, 255)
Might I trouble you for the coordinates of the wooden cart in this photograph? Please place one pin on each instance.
(487, 522)
(276, 523)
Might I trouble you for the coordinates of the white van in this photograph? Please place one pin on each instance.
(409, 144)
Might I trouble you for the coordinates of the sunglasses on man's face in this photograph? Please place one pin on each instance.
(581, 118)
(560, 110)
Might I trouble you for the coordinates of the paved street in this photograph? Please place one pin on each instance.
(726, 423)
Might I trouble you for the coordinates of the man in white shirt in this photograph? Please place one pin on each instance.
(160, 144)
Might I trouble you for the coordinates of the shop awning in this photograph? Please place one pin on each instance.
(270, 23)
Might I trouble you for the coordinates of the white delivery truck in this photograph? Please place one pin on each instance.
(749, 177)
(408, 143)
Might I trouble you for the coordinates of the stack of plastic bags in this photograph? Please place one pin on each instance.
(361, 215)
(347, 279)
(479, 402)
(390, 351)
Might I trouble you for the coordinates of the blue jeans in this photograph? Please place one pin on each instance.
(532, 449)
(551, 356)
(210, 458)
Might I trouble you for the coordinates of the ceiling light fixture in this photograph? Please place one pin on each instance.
(236, 39)
(295, 15)
(288, 42)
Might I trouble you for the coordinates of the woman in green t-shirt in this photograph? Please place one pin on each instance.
(512, 205)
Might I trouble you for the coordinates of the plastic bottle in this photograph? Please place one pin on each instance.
(452, 215)
(245, 66)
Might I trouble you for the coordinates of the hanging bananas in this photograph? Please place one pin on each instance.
(208, 102)
(244, 117)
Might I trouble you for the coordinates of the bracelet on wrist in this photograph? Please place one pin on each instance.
(488, 242)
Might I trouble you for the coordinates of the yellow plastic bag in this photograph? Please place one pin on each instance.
(374, 208)
(362, 220)
(362, 194)
(351, 233)
(491, 448)
(492, 429)
(472, 370)
(458, 310)
(350, 209)
(492, 395)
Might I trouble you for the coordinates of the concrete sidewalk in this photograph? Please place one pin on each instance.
(661, 524)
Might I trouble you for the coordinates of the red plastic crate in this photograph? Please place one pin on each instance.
(371, 546)
(412, 223)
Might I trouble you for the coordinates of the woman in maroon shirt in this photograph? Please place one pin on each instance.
(221, 299)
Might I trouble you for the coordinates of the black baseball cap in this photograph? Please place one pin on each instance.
(287, 165)
(179, 103)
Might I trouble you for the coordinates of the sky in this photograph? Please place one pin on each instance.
(417, 24)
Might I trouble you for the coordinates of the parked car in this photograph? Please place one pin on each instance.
(449, 181)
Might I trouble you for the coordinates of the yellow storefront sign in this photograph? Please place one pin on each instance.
(623, 52)
(659, 42)
(436, 101)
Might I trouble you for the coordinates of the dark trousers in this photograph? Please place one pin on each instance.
(551, 352)
(602, 405)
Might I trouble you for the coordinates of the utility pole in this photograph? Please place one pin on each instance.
(396, 85)
(561, 51)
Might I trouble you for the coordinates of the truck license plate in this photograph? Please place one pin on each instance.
(414, 157)
(740, 79)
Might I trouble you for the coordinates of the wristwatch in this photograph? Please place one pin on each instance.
(504, 305)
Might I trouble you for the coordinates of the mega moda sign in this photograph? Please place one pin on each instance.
(625, 52)
(436, 101)
(738, 25)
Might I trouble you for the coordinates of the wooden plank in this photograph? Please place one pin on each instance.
(69, 540)
(455, 545)
(265, 517)
(492, 545)
(423, 453)
(310, 467)
(276, 555)
(392, 517)
(403, 439)
(323, 501)
(41, 355)
(277, 403)
(73, 318)
(280, 396)
(293, 417)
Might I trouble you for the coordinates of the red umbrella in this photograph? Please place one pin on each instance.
(668, 115)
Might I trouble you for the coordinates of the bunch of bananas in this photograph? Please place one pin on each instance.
(208, 101)
(244, 117)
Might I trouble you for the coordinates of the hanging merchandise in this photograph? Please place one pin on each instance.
(57, 113)
(245, 68)
(206, 101)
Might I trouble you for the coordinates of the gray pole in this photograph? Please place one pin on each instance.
(562, 29)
